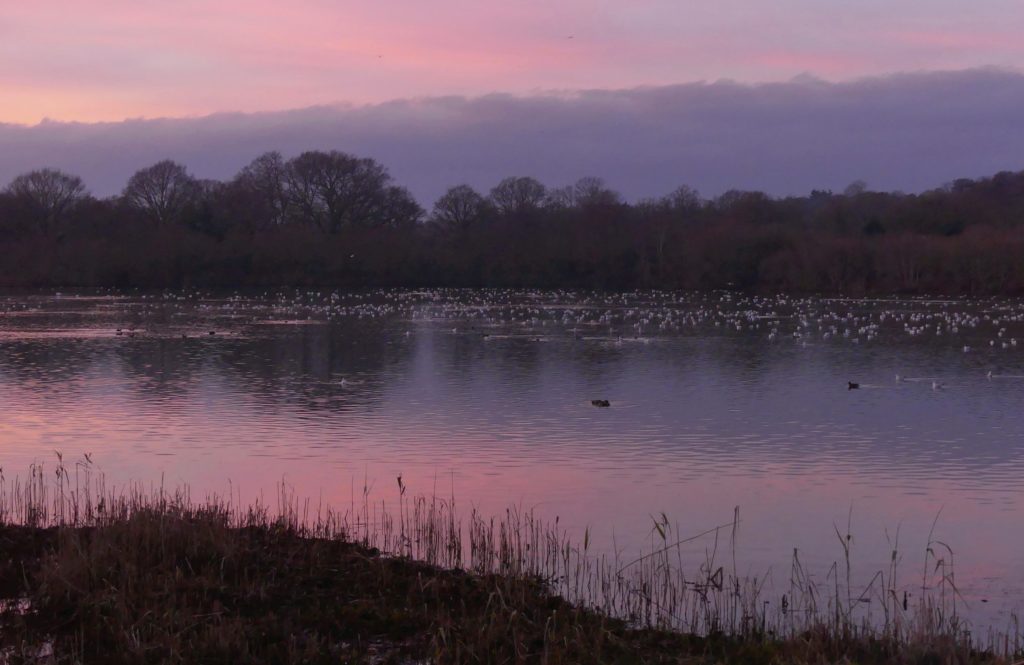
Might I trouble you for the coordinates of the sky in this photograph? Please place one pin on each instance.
(105, 65)
(116, 59)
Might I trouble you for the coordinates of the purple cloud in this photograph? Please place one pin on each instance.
(903, 132)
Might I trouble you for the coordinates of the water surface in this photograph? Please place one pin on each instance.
(717, 401)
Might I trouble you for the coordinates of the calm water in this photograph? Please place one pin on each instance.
(716, 401)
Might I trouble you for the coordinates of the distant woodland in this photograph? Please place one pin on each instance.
(334, 219)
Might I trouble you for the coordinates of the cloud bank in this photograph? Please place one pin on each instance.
(905, 132)
(111, 59)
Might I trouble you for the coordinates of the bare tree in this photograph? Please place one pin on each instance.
(685, 199)
(398, 209)
(855, 188)
(588, 192)
(48, 194)
(334, 190)
(560, 198)
(517, 195)
(459, 209)
(593, 192)
(264, 181)
(162, 191)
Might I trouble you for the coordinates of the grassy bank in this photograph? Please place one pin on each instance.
(171, 585)
(145, 576)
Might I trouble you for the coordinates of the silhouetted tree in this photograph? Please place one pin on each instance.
(855, 188)
(162, 192)
(328, 218)
(263, 184)
(684, 199)
(398, 209)
(459, 209)
(517, 195)
(335, 190)
(47, 195)
(559, 199)
(593, 192)
(585, 192)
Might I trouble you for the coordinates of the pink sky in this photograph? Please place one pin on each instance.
(114, 59)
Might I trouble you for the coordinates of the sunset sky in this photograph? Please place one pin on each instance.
(114, 59)
(783, 96)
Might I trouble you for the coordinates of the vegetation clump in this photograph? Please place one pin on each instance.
(184, 586)
(91, 576)
(330, 218)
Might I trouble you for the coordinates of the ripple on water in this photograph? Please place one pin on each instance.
(716, 400)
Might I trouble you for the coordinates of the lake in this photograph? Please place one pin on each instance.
(717, 400)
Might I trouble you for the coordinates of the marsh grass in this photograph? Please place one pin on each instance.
(137, 574)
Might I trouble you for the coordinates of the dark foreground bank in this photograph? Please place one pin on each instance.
(172, 585)
(93, 574)
(174, 588)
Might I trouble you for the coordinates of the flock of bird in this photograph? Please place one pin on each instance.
(962, 324)
(636, 313)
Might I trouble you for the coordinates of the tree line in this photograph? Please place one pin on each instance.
(331, 218)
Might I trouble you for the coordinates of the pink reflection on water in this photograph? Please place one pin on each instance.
(455, 417)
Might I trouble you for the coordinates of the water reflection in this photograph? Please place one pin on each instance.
(717, 400)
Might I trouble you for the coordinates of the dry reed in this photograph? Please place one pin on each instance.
(530, 568)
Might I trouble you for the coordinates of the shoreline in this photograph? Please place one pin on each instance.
(166, 586)
(130, 576)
